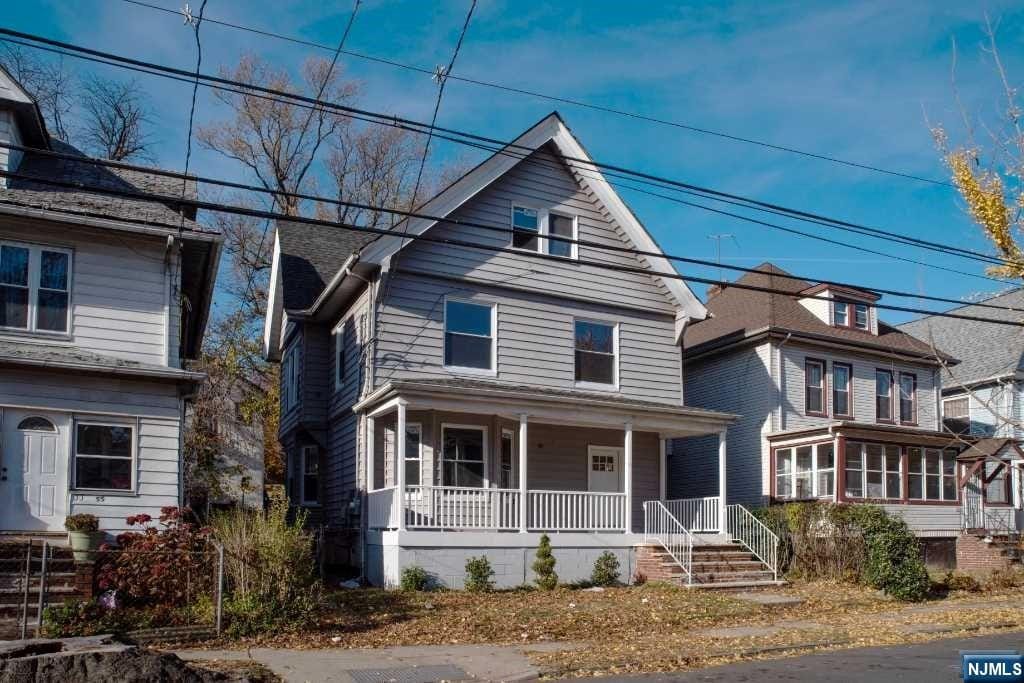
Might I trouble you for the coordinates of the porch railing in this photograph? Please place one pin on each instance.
(382, 508)
(752, 533)
(451, 507)
(661, 527)
(696, 514)
(576, 511)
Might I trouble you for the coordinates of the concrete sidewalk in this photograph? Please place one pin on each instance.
(409, 664)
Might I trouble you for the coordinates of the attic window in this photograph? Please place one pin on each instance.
(532, 229)
(850, 314)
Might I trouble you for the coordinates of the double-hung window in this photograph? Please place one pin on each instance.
(310, 475)
(35, 288)
(469, 335)
(814, 387)
(883, 396)
(997, 483)
(931, 474)
(805, 471)
(908, 398)
(840, 314)
(413, 454)
(850, 314)
(533, 228)
(340, 357)
(860, 316)
(104, 456)
(595, 349)
(463, 451)
(842, 385)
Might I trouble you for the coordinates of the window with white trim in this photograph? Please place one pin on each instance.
(35, 288)
(104, 456)
(533, 227)
(310, 469)
(596, 350)
(463, 450)
(873, 471)
(805, 472)
(469, 336)
(956, 414)
(413, 454)
(340, 357)
(931, 474)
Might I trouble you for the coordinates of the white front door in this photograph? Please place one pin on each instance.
(605, 474)
(33, 471)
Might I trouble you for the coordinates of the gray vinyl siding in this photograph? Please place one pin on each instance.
(793, 357)
(550, 186)
(317, 379)
(993, 409)
(67, 391)
(118, 288)
(739, 382)
(535, 338)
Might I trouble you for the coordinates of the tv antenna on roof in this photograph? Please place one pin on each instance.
(718, 249)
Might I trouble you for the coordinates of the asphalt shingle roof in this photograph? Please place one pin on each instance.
(92, 203)
(737, 313)
(985, 350)
(310, 256)
(39, 354)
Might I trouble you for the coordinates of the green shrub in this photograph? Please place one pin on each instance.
(271, 570)
(415, 578)
(893, 561)
(606, 570)
(82, 522)
(544, 565)
(479, 575)
(88, 618)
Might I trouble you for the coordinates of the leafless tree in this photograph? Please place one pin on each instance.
(49, 82)
(115, 120)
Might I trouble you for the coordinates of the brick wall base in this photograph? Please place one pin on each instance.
(650, 563)
(973, 554)
(85, 580)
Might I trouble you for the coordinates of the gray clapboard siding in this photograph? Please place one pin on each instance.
(793, 357)
(535, 338)
(739, 382)
(118, 289)
(317, 380)
(290, 414)
(929, 520)
(551, 188)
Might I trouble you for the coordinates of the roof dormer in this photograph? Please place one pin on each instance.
(21, 123)
(842, 307)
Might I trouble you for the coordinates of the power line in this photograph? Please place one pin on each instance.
(507, 231)
(377, 118)
(447, 241)
(192, 108)
(576, 102)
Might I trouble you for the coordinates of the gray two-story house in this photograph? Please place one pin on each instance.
(441, 401)
(102, 299)
(835, 404)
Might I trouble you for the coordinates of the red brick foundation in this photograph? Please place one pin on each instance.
(84, 579)
(651, 564)
(973, 554)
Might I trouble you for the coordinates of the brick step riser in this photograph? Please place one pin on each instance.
(722, 568)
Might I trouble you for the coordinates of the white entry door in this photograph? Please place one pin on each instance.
(605, 473)
(33, 471)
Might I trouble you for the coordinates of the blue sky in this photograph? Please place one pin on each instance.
(856, 80)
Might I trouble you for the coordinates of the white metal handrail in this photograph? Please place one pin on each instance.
(696, 514)
(752, 533)
(461, 507)
(576, 511)
(661, 526)
(382, 508)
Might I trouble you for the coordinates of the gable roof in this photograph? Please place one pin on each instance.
(550, 129)
(14, 97)
(991, 448)
(986, 351)
(739, 314)
(310, 257)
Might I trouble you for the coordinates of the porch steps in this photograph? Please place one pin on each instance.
(719, 566)
(61, 582)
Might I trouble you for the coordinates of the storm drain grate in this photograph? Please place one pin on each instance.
(412, 674)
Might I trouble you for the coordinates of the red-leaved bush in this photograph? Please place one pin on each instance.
(170, 564)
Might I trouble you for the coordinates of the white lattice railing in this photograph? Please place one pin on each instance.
(696, 514)
(662, 527)
(752, 533)
(576, 511)
(382, 508)
(451, 507)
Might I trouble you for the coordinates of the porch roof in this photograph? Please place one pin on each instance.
(546, 404)
(990, 448)
(871, 432)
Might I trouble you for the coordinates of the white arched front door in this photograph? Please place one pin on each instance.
(33, 471)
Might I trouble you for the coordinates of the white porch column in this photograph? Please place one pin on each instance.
(371, 465)
(722, 526)
(627, 478)
(662, 469)
(523, 490)
(400, 464)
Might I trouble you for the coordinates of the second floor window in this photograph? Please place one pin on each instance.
(532, 228)
(34, 288)
(468, 335)
(956, 414)
(908, 398)
(595, 352)
(841, 390)
(814, 387)
(883, 396)
(850, 314)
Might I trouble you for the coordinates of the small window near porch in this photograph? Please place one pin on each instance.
(997, 488)
(413, 454)
(310, 475)
(595, 353)
(507, 474)
(463, 456)
(104, 454)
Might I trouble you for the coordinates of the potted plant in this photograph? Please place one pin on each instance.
(84, 536)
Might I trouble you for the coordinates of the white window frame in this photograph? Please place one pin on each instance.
(303, 450)
(339, 348)
(598, 386)
(105, 422)
(814, 471)
(462, 369)
(486, 484)
(544, 230)
(418, 457)
(35, 255)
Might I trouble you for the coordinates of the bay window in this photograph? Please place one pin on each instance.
(873, 471)
(842, 384)
(908, 398)
(35, 288)
(883, 396)
(803, 472)
(814, 387)
(469, 337)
